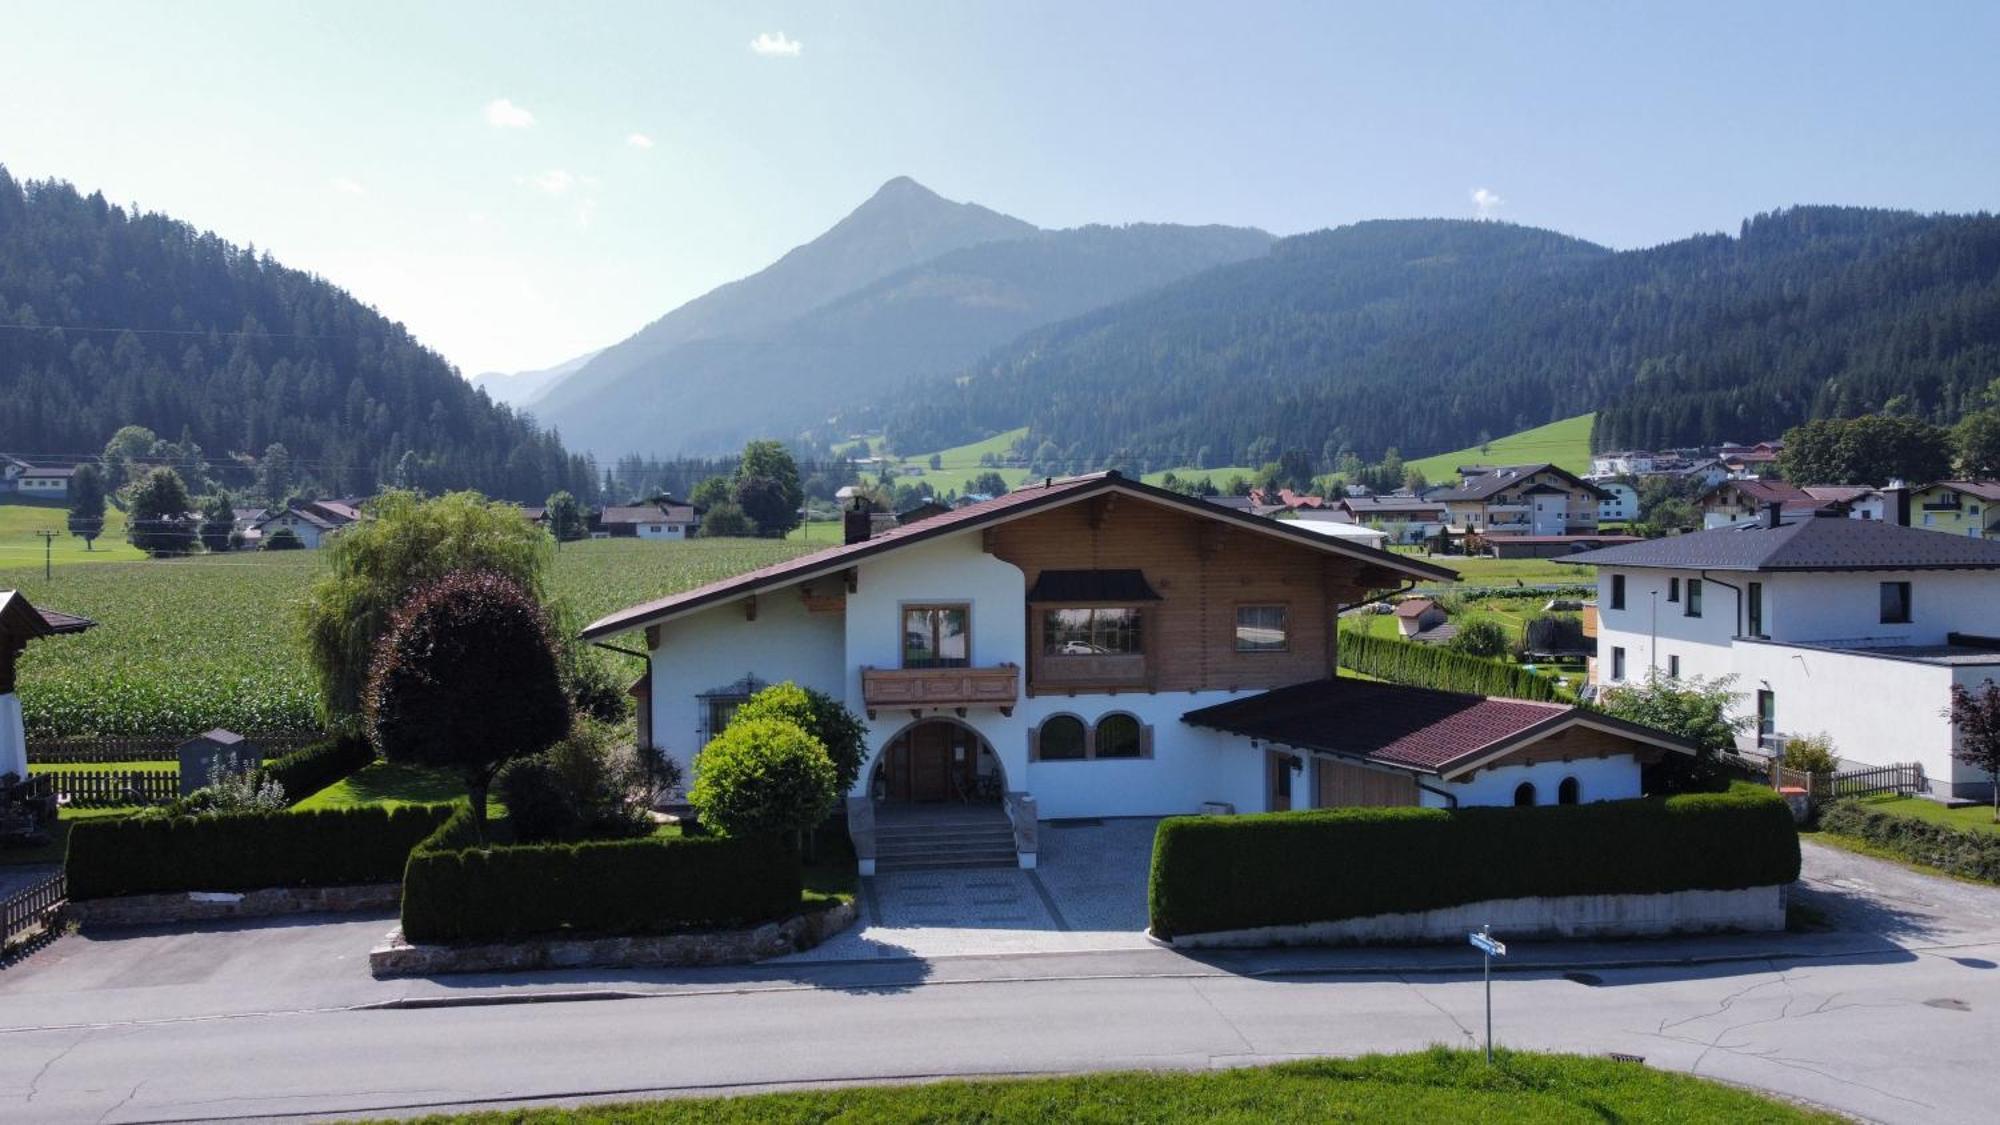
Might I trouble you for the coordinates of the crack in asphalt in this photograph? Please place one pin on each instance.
(1438, 1008)
(1195, 985)
(122, 1102)
(35, 1083)
(1773, 1055)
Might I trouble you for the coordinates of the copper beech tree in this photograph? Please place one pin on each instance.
(467, 679)
(1976, 714)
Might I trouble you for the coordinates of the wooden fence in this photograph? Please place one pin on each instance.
(37, 905)
(84, 751)
(1903, 779)
(112, 787)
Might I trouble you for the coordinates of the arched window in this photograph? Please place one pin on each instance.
(1118, 736)
(1060, 739)
(1566, 793)
(1524, 794)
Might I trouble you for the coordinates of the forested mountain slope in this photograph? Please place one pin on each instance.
(110, 318)
(787, 354)
(1429, 335)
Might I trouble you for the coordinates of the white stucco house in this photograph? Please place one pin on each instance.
(313, 521)
(21, 622)
(1620, 503)
(1098, 647)
(1852, 628)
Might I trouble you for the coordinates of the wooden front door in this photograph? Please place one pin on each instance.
(1341, 785)
(931, 762)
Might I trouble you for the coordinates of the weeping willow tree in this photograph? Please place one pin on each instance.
(408, 542)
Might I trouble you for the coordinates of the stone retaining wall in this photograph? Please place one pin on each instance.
(1570, 916)
(398, 958)
(207, 906)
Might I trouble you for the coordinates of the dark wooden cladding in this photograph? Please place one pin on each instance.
(1203, 571)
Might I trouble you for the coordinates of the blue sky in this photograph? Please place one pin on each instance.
(471, 169)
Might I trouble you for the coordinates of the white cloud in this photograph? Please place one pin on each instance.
(503, 114)
(1486, 202)
(555, 181)
(346, 186)
(776, 46)
(638, 140)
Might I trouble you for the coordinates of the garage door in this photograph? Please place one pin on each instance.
(1342, 785)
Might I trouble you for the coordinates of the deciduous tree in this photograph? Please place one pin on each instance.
(161, 520)
(86, 504)
(1976, 715)
(467, 678)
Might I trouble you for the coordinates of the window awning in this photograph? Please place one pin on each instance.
(1093, 587)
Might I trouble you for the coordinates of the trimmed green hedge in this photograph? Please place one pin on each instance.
(1958, 851)
(245, 851)
(454, 890)
(310, 769)
(1274, 869)
(1433, 666)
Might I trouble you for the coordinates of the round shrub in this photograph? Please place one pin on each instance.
(283, 539)
(1811, 753)
(838, 730)
(763, 777)
(538, 804)
(1480, 638)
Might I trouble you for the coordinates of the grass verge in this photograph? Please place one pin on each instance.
(391, 784)
(1433, 1085)
(1971, 818)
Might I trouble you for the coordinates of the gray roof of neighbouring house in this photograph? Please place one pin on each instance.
(1812, 543)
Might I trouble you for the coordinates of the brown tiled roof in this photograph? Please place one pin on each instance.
(23, 619)
(1413, 607)
(1983, 489)
(1413, 728)
(1050, 493)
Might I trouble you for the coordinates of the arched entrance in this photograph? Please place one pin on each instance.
(935, 761)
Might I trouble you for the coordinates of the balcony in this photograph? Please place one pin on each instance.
(956, 688)
(1094, 672)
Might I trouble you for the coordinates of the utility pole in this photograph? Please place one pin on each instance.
(48, 553)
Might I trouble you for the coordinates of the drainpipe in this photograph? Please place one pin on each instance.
(1737, 590)
(1450, 799)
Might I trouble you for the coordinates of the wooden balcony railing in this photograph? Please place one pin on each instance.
(957, 688)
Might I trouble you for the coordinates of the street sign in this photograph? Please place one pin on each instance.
(1489, 948)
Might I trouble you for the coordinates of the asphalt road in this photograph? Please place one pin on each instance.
(1896, 1024)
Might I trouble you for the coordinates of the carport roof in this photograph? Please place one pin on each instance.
(1435, 732)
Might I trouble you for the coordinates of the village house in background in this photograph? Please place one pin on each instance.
(1096, 646)
(20, 478)
(313, 521)
(1856, 629)
(1958, 507)
(661, 519)
(1541, 500)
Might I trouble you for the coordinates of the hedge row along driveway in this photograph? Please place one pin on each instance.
(1275, 869)
(457, 889)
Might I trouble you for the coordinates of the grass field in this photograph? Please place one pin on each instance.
(1479, 571)
(1565, 443)
(1434, 1085)
(20, 547)
(183, 645)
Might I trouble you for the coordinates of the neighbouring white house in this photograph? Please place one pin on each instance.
(1406, 519)
(1099, 647)
(1851, 628)
(1622, 463)
(667, 519)
(1620, 503)
(1339, 525)
(46, 482)
(312, 521)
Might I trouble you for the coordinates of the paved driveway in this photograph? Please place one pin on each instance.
(1088, 893)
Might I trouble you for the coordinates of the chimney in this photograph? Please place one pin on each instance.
(1774, 514)
(857, 522)
(1896, 503)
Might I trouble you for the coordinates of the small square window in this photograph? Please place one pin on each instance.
(1261, 628)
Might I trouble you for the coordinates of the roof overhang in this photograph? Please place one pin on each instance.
(1006, 509)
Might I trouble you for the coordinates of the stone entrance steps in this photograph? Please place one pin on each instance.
(945, 839)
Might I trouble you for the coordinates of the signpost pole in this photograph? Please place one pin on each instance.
(1488, 950)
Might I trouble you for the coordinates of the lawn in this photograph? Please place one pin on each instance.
(1565, 444)
(1974, 818)
(391, 785)
(183, 645)
(1481, 571)
(21, 547)
(1434, 1085)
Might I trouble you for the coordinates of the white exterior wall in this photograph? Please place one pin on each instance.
(1615, 778)
(662, 530)
(1702, 642)
(310, 535)
(13, 739)
(717, 647)
(1876, 709)
(1623, 504)
(52, 487)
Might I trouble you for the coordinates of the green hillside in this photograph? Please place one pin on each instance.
(1565, 444)
(21, 547)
